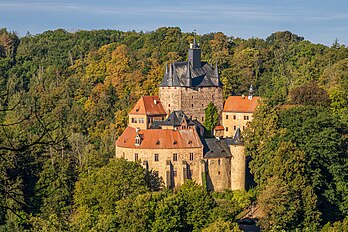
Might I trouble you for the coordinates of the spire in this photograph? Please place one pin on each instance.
(188, 74)
(251, 91)
(237, 140)
(216, 71)
(194, 54)
(170, 77)
(166, 72)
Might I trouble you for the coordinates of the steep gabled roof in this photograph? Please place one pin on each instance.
(176, 118)
(215, 148)
(179, 76)
(241, 104)
(160, 139)
(148, 105)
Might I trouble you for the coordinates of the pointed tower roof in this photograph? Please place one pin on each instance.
(237, 140)
(216, 71)
(188, 75)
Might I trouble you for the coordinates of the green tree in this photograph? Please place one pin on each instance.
(298, 164)
(211, 118)
(97, 193)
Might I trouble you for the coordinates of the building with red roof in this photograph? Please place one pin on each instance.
(146, 111)
(166, 135)
(237, 112)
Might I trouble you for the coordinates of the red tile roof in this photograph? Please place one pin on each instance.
(148, 105)
(240, 104)
(219, 128)
(160, 139)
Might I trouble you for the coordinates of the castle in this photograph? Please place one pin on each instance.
(165, 132)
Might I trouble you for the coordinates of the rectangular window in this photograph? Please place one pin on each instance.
(226, 128)
(175, 173)
(175, 157)
(133, 120)
(246, 117)
(219, 162)
(136, 157)
(226, 116)
(191, 156)
(234, 117)
(156, 157)
(234, 128)
(243, 127)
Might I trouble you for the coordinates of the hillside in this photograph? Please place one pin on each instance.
(65, 98)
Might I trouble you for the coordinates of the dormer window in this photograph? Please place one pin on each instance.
(137, 137)
(190, 142)
(137, 140)
(137, 109)
(175, 142)
(158, 142)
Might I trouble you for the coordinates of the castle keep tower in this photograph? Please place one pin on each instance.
(190, 86)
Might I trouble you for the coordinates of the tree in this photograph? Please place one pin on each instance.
(298, 164)
(188, 210)
(222, 226)
(309, 94)
(211, 117)
(96, 194)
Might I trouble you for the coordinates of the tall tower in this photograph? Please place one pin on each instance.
(194, 55)
(190, 86)
(238, 162)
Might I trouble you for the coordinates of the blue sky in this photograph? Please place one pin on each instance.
(318, 21)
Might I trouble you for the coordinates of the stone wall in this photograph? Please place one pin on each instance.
(238, 167)
(218, 173)
(170, 98)
(192, 101)
(166, 166)
(232, 121)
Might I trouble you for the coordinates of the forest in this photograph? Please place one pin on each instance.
(64, 99)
